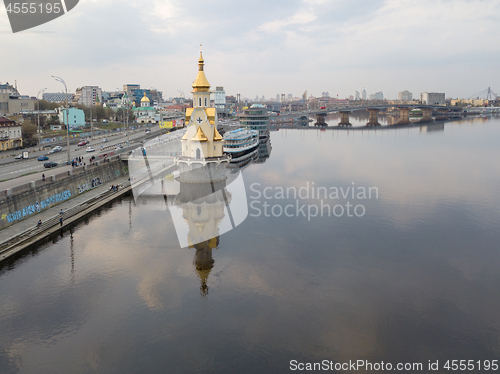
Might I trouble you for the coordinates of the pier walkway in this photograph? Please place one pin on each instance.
(15, 238)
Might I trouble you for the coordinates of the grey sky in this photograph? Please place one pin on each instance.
(262, 47)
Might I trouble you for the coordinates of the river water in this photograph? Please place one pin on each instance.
(408, 273)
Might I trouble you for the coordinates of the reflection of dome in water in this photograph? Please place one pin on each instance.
(203, 210)
(204, 262)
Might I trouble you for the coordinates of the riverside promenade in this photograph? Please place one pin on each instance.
(14, 239)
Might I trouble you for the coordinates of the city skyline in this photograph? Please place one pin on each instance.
(262, 48)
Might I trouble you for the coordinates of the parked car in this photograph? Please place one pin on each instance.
(90, 149)
(43, 158)
(83, 142)
(50, 164)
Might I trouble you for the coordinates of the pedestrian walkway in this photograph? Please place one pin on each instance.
(70, 208)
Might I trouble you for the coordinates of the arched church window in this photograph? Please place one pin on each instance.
(199, 100)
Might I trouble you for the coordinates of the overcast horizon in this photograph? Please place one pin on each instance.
(261, 47)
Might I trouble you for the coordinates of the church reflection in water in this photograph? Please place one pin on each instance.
(207, 211)
(203, 208)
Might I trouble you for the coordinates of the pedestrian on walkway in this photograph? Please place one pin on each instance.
(43, 177)
(61, 213)
(61, 220)
(39, 223)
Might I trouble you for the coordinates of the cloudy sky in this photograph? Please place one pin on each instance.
(262, 47)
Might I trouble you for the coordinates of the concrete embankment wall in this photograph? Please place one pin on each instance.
(24, 201)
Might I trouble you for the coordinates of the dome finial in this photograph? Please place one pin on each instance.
(201, 62)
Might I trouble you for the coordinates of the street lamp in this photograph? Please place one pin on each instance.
(38, 101)
(126, 101)
(67, 110)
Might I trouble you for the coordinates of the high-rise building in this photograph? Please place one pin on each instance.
(405, 96)
(129, 90)
(358, 95)
(220, 98)
(363, 96)
(156, 96)
(87, 95)
(378, 96)
(432, 98)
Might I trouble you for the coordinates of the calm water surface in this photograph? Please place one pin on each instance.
(414, 279)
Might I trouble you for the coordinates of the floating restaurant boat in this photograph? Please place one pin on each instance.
(241, 144)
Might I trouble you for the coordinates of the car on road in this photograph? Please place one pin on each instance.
(147, 131)
(90, 149)
(105, 140)
(57, 148)
(83, 142)
(19, 156)
(43, 158)
(50, 164)
(119, 146)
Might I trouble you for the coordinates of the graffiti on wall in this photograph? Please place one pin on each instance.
(37, 206)
(96, 182)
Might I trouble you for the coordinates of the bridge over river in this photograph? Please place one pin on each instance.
(442, 112)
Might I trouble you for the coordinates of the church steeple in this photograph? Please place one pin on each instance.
(201, 84)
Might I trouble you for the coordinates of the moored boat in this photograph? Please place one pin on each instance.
(241, 144)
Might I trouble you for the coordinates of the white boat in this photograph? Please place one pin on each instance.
(241, 144)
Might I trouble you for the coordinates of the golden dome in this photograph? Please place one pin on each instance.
(201, 84)
(145, 98)
(217, 137)
(199, 136)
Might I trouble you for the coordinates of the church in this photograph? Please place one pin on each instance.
(145, 113)
(202, 140)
